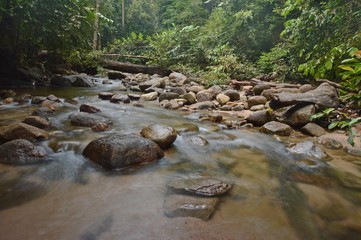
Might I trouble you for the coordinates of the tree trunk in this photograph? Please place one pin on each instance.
(123, 17)
(96, 26)
(135, 68)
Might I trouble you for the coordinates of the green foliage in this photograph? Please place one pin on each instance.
(351, 77)
(347, 124)
(84, 61)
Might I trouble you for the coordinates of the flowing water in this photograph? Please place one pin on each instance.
(273, 195)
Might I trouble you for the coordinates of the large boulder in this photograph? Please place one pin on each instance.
(21, 151)
(278, 128)
(37, 121)
(177, 78)
(120, 151)
(116, 75)
(208, 187)
(87, 119)
(164, 136)
(21, 131)
(324, 96)
(297, 115)
(82, 80)
(58, 80)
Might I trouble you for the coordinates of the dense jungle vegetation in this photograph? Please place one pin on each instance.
(216, 40)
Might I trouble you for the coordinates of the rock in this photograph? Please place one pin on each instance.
(213, 117)
(190, 98)
(204, 96)
(259, 88)
(105, 95)
(88, 108)
(87, 119)
(307, 149)
(82, 80)
(38, 99)
(149, 96)
(177, 77)
(195, 88)
(296, 116)
(268, 93)
(116, 75)
(135, 88)
(37, 121)
(168, 96)
(120, 151)
(7, 94)
(258, 107)
(117, 98)
(352, 151)
(107, 82)
(21, 151)
(226, 108)
(208, 187)
(196, 140)
(172, 104)
(164, 136)
(179, 90)
(153, 83)
(58, 80)
(278, 128)
(330, 143)
(324, 96)
(256, 100)
(134, 97)
(21, 131)
(222, 99)
(313, 129)
(43, 112)
(187, 206)
(232, 94)
(260, 118)
(8, 100)
(100, 127)
(202, 105)
(306, 87)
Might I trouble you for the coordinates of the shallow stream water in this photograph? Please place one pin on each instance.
(274, 196)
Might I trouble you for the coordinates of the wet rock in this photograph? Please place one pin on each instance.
(8, 100)
(259, 88)
(87, 119)
(278, 128)
(313, 129)
(307, 149)
(324, 96)
(134, 97)
(120, 151)
(204, 96)
(21, 151)
(330, 143)
(21, 131)
(149, 96)
(190, 98)
(100, 127)
(196, 140)
(260, 118)
(82, 80)
(58, 80)
(37, 121)
(208, 187)
(88, 108)
(296, 116)
(23, 98)
(222, 99)
(168, 96)
(117, 98)
(105, 95)
(187, 206)
(38, 99)
(116, 75)
(256, 100)
(43, 112)
(164, 136)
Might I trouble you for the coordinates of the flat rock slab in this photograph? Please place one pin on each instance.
(208, 187)
(187, 206)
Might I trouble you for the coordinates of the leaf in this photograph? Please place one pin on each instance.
(328, 65)
(346, 68)
(332, 125)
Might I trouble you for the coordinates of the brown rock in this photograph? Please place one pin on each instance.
(164, 136)
(21, 131)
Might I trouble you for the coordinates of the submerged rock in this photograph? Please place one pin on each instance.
(308, 149)
(187, 206)
(21, 131)
(208, 187)
(21, 151)
(120, 151)
(164, 136)
(87, 119)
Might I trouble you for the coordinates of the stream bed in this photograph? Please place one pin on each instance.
(273, 195)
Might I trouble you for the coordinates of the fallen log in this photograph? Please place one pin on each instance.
(135, 68)
(124, 56)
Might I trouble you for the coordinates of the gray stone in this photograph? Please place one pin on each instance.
(195, 88)
(259, 88)
(116, 75)
(296, 116)
(149, 96)
(196, 140)
(82, 80)
(330, 143)
(278, 128)
(87, 119)
(21, 131)
(256, 100)
(168, 96)
(306, 87)
(164, 136)
(208, 187)
(204, 96)
(105, 95)
(153, 83)
(58, 80)
(307, 149)
(117, 98)
(202, 105)
(232, 94)
(190, 98)
(177, 77)
(260, 118)
(258, 107)
(313, 129)
(120, 151)
(21, 151)
(188, 206)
